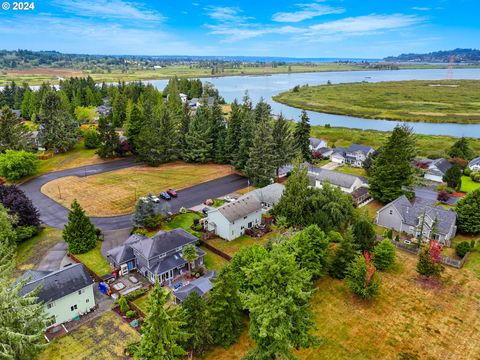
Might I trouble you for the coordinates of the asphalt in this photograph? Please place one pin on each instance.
(55, 215)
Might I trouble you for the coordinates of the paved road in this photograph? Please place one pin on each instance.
(55, 215)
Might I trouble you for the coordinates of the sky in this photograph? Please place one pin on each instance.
(298, 28)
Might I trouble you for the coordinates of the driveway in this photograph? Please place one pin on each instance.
(55, 215)
(52, 260)
(331, 166)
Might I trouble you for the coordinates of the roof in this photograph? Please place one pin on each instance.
(333, 177)
(314, 142)
(361, 191)
(238, 209)
(357, 147)
(269, 194)
(201, 286)
(57, 284)
(474, 162)
(441, 164)
(324, 150)
(162, 242)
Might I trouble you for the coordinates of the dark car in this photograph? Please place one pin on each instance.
(172, 193)
(165, 196)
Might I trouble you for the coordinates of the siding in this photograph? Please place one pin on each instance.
(230, 231)
(393, 221)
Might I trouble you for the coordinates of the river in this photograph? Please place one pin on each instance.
(234, 87)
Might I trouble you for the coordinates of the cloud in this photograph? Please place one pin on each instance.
(237, 33)
(307, 11)
(109, 9)
(225, 14)
(421, 8)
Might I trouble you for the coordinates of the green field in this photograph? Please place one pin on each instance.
(468, 185)
(445, 101)
(428, 145)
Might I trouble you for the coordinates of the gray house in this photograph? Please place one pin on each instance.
(474, 165)
(436, 170)
(403, 216)
(354, 155)
(201, 286)
(160, 255)
(316, 144)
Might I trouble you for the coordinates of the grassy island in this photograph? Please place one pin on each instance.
(435, 101)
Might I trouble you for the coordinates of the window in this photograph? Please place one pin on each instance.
(74, 307)
(87, 301)
(244, 217)
(250, 224)
(391, 212)
(50, 305)
(80, 292)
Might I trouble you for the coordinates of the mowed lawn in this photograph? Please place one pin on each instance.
(113, 193)
(351, 170)
(406, 321)
(468, 185)
(103, 338)
(95, 261)
(231, 247)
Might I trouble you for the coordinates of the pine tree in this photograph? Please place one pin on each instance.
(157, 142)
(28, 107)
(161, 331)
(282, 143)
(198, 139)
(302, 137)
(247, 133)
(461, 149)
(384, 255)
(361, 277)
(219, 134)
(364, 235)
(79, 233)
(108, 139)
(14, 135)
(393, 167)
(184, 126)
(134, 126)
(232, 141)
(453, 177)
(225, 309)
(260, 166)
(119, 109)
(196, 318)
(344, 255)
(144, 211)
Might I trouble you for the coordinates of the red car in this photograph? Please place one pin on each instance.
(172, 193)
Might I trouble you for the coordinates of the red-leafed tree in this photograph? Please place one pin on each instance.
(429, 260)
(361, 276)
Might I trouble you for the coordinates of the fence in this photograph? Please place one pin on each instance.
(215, 250)
(90, 271)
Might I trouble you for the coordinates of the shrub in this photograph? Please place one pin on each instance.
(384, 255)
(429, 264)
(468, 214)
(467, 171)
(361, 277)
(26, 232)
(476, 176)
(140, 231)
(472, 244)
(462, 248)
(443, 196)
(130, 314)
(99, 234)
(123, 304)
(16, 164)
(91, 139)
(136, 294)
(154, 221)
(182, 210)
(462, 163)
(335, 237)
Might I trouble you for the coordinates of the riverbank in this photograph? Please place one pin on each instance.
(428, 145)
(431, 101)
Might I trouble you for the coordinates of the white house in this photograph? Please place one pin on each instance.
(345, 182)
(354, 155)
(183, 98)
(474, 165)
(437, 169)
(66, 293)
(316, 143)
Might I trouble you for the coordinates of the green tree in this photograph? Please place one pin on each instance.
(144, 211)
(225, 309)
(123, 304)
(134, 126)
(119, 109)
(461, 149)
(14, 135)
(184, 126)
(157, 142)
(393, 167)
(234, 130)
(311, 250)
(219, 134)
(361, 277)
(85, 114)
(196, 319)
(384, 255)
(462, 248)
(108, 139)
(161, 331)
(282, 143)
(16, 164)
(453, 177)
(199, 145)
(29, 105)
(247, 133)
(364, 235)
(245, 259)
(429, 264)
(189, 254)
(278, 302)
(79, 233)
(468, 214)
(91, 139)
(302, 136)
(344, 256)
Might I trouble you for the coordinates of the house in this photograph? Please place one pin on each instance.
(230, 221)
(66, 293)
(183, 98)
(160, 255)
(403, 216)
(354, 155)
(316, 144)
(346, 182)
(201, 286)
(474, 165)
(325, 152)
(195, 103)
(103, 110)
(436, 170)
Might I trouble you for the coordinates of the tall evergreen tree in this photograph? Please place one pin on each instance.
(184, 126)
(108, 139)
(28, 107)
(393, 167)
(344, 255)
(144, 211)
(461, 149)
(225, 309)
(453, 177)
(79, 233)
(364, 235)
(247, 134)
(198, 139)
(119, 109)
(196, 318)
(219, 134)
(234, 129)
(302, 136)
(162, 332)
(134, 126)
(14, 135)
(282, 143)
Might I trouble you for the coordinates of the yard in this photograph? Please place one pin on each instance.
(95, 261)
(405, 322)
(141, 302)
(468, 185)
(213, 261)
(231, 247)
(346, 169)
(103, 338)
(115, 193)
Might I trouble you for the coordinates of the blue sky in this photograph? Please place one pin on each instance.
(298, 28)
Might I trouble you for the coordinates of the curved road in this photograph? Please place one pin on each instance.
(55, 215)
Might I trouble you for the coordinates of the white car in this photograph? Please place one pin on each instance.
(154, 199)
(229, 199)
(407, 242)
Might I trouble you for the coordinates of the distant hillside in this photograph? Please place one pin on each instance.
(456, 56)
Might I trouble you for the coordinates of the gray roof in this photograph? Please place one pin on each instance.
(238, 209)
(442, 164)
(474, 162)
(325, 150)
(357, 147)
(411, 213)
(269, 194)
(333, 177)
(57, 284)
(314, 142)
(201, 286)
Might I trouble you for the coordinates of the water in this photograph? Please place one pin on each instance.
(234, 87)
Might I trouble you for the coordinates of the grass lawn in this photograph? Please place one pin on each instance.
(103, 338)
(351, 170)
(213, 261)
(445, 101)
(218, 202)
(141, 302)
(95, 261)
(31, 251)
(468, 185)
(113, 193)
(231, 247)
(183, 221)
(406, 321)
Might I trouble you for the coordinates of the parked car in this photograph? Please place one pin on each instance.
(153, 198)
(172, 193)
(165, 196)
(229, 198)
(205, 210)
(407, 242)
